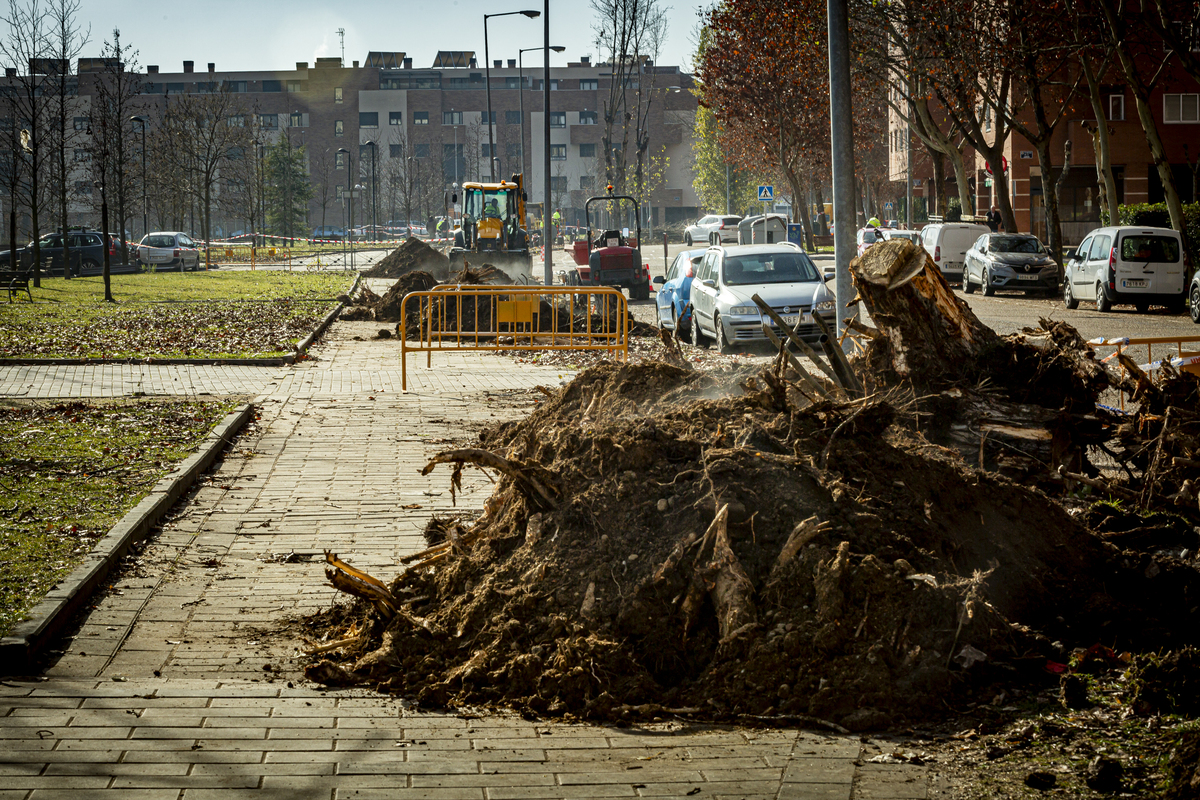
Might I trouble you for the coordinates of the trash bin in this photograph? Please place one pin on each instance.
(763, 229)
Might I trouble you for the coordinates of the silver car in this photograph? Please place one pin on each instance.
(780, 274)
(1009, 261)
(713, 229)
(167, 250)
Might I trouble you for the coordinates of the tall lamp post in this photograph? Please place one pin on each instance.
(145, 202)
(374, 230)
(350, 199)
(487, 82)
(521, 95)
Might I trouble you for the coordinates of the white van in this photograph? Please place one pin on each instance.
(1141, 266)
(947, 244)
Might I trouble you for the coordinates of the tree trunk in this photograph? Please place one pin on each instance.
(939, 184)
(1104, 175)
(965, 198)
(1050, 200)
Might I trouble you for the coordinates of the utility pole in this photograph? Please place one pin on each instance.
(841, 129)
(341, 32)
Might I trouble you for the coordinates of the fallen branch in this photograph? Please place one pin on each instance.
(325, 648)
(533, 488)
(346, 578)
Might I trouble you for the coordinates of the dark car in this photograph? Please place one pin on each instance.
(1009, 261)
(86, 247)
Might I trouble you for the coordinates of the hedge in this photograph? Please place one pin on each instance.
(1156, 216)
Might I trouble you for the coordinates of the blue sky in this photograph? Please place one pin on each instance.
(252, 34)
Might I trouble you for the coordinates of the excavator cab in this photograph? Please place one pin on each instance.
(491, 230)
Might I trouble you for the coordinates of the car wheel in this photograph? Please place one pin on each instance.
(968, 287)
(88, 265)
(985, 283)
(723, 345)
(1103, 304)
(698, 336)
(1142, 308)
(1069, 298)
(1195, 304)
(687, 239)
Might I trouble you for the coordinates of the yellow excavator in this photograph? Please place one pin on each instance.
(491, 229)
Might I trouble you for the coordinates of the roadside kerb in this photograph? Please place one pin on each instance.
(18, 650)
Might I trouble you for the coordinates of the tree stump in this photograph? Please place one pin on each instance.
(930, 336)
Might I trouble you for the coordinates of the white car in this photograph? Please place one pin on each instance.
(1127, 264)
(781, 274)
(713, 229)
(165, 250)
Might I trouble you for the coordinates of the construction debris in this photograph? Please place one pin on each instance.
(412, 255)
(854, 545)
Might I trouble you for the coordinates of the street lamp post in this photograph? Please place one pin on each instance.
(374, 229)
(487, 83)
(547, 234)
(350, 199)
(521, 95)
(145, 202)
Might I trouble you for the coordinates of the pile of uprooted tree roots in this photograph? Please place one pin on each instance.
(855, 544)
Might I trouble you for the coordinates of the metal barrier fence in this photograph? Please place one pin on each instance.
(299, 257)
(494, 318)
(1182, 360)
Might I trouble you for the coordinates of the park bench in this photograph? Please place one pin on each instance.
(15, 282)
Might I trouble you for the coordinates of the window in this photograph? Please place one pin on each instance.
(272, 86)
(295, 86)
(341, 191)
(396, 151)
(421, 150)
(512, 150)
(339, 160)
(1100, 248)
(558, 119)
(298, 120)
(587, 150)
(587, 117)
(450, 118)
(1181, 108)
(235, 153)
(268, 120)
(420, 118)
(558, 152)
(368, 119)
(485, 150)
(235, 86)
(364, 153)
(395, 118)
(338, 129)
(512, 83)
(237, 121)
(483, 117)
(81, 123)
(174, 88)
(512, 117)
(589, 85)
(151, 88)
(585, 183)
(337, 94)
(1116, 107)
(558, 183)
(206, 87)
(82, 156)
(554, 84)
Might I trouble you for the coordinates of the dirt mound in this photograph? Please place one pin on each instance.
(413, 255)
(387, 308)
(694, 545)
(484, 274)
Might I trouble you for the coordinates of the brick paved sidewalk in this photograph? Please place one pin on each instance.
(184, 679)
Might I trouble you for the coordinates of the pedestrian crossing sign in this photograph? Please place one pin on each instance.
(766, 194)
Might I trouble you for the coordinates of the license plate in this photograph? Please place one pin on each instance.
(792, 319)
(951, 266)
(1028, 277)
(1134, 283)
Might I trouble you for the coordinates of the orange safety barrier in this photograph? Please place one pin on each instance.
(525, 317)
(1182, 360)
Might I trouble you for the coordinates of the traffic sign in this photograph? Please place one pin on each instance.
(766, 194)
(1003, 166)
(889, 206)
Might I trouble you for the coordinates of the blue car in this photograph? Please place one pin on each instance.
(675, 292)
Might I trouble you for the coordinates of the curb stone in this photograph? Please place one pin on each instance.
(19, 649)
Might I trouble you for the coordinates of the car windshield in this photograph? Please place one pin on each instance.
(1150, 248)
(910, 235)
(1015, 244)
(159, 241)
(752, 268)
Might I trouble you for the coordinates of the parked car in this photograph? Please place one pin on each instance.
(714, 229)
(867, 237)
(912, 236)
(168, 250)
(86, 248)
(1009, 261)
(673, 298)
(781, 274)
(329, 233)
(947, 243)
(1127, 264)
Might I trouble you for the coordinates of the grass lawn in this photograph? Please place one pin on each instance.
(70, 471)
(170, 315)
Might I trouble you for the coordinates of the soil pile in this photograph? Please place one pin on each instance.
(387, 308)
(771, 544)
(413, 255)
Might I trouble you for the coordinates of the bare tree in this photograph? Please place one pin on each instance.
(117, 91)
(67, 41)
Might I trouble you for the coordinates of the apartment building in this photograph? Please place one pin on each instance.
(433, 118)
